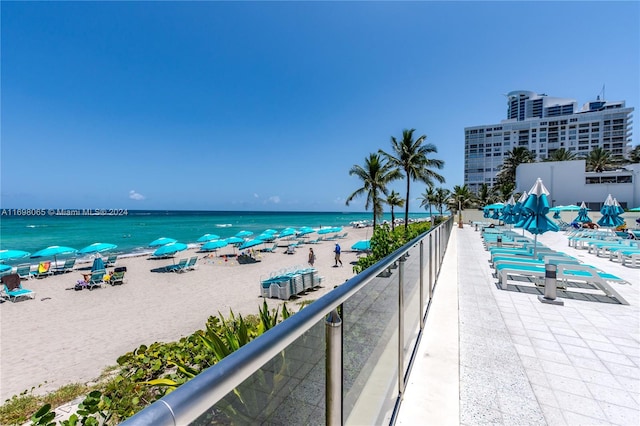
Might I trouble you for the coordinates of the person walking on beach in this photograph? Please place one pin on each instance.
(312, 257)
(337, 252)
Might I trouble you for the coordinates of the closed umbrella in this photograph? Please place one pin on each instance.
(97, 248)
(208, 237)
(610, 218)
(161, 241)
(169, 249)
(520, 214)
(583, 217)
(537, 207)
(508, 214)
(98, 264)
(13, 254)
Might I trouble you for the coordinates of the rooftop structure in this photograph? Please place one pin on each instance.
(545, 124)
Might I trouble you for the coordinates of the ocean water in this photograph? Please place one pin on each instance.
(133, 231)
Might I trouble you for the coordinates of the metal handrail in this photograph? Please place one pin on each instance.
(192, 399)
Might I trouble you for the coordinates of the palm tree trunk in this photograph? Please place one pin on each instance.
(393, 219)
(406, 206)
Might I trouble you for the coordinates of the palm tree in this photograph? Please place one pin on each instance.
(460, 198)
(394, 200)
(427, 198)
(598, 160)
(375, 176)
(411, 156)
(512, 160)
(440, 199)
(562, 155)
(486, 195)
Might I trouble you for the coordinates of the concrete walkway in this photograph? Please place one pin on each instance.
(491, 356)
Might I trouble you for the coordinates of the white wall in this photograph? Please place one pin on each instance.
(565, 181)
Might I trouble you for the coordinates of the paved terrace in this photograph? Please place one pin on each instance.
(491, 356)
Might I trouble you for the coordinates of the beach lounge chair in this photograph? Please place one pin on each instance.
(178, 267)
(44, 270)
(270, 249)
(117, 278)
(13, 288)
(24, 271)
(67, 267)
(111, 260)
(291, 249)
(97, 279)
(191, 264)
(343, 235)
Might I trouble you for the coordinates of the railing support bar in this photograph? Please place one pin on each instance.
(421, 313)
(333, 390)
(401, 327)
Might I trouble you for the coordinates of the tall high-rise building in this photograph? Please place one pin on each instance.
(544, 124)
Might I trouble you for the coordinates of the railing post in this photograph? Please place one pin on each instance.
(401, 327)
(333, 387)
(421, 313)
(430, 266)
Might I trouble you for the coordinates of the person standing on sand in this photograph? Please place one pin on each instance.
(337, 252)
(312, 257)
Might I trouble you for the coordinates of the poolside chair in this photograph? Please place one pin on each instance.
(67, 267)
(97, 279)
(24, 271)
(178, 267)
(13, 288)
(111, 260)
(44, 270)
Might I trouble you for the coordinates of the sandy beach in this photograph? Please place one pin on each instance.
(66, 336)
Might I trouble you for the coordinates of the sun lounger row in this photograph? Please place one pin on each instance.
(284, 285)
(184, 265)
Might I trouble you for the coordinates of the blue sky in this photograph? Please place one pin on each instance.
(266, 106)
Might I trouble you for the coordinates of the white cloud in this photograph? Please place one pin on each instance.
(274, 199)
(135, 196)
(255, 195)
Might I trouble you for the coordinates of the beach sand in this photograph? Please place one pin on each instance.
(66, 336)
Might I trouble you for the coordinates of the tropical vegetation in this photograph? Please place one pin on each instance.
(511, 161)
(412, 157)
(375, 176)
(394, 200)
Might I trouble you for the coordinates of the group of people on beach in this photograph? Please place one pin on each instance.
(336, 251)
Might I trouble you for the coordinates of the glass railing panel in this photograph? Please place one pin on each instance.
(289, 389)
(370, 327)
(411, 301)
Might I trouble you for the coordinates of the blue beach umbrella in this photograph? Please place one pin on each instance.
(234, 240)
(362, 245)
(251, 243)
(635, 209)
(610, 218)
(536, 207)
(97, 248)
(213, 245)
(286, 232)
(161, 241)
(508, 215)
(269, 231)
(244, 234)
(169, 249)
(583, 217)
(305, 230)
(54, 251)
(98, 264)
(570, 208)
(208, 237)
(266, 237)
(13, 254)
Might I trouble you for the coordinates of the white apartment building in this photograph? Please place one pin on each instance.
(544, 124)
